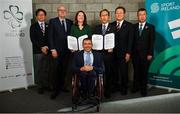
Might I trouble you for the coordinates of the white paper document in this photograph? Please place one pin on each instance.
(97, 41)
(75, 43)
(107, 40)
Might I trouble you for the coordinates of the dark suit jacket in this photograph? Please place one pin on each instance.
(78, 62)
(37, 38)
(57, 36)
(98, 29)
(143, 45)
(123, 39)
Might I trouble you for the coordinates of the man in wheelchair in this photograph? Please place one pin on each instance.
(87, 65)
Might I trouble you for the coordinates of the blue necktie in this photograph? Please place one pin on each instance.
(103, 29)
(140, 29)
(88, 58)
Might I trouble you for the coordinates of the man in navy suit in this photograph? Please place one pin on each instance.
(59, 29)
(39, 39)
(104, 28)
(122, 50)
(87, 64)
(142, 51)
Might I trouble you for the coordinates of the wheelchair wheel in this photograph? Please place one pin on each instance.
(100, 89)
(75, 91)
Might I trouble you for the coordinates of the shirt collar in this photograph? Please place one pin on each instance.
(41, 22)
(88, 52)
(142, 23)
(120, 22)
(62, 19)
(105, 25)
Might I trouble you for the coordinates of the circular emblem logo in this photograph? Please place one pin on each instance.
(154, 8)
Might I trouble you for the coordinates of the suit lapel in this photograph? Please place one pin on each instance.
(67, 25)
(94, 59)
(137, 30)
(123, 25)
(58, 23)
(82, 57)
(39, 28)
(145, 27)
(46, 27)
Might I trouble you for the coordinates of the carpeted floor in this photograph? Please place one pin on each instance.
(29, 101)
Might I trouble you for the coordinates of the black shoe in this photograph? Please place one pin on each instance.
(40, 90)
(107, 95)
(54, 95)
(124, 92)
(134, 90)
(143, 93)
(64, 90)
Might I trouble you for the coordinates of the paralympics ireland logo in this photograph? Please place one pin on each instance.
(13, 16)
(154, 8)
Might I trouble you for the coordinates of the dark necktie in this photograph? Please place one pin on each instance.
(140, 29)
(42, 28)
(118, 26)
(63, 25)
(103, 29)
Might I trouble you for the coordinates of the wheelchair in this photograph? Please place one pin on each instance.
(77, 99)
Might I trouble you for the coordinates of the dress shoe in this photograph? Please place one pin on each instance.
(143, 93)
(134, 90)
(40, 90)
(107, 95)
(54, 95)
(64, 90)
(123, 92)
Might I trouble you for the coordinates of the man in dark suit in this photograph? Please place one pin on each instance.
(39, 39)
(122, 50)
(59, 28)
(104, 28)
(87, 64)
(142, 51)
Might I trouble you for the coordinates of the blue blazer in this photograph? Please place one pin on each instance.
(78, 62)
(57, 37)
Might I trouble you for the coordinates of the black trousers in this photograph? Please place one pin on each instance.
(108, 64)
(122, 72)
(87, 80)
(60, 70)
(42, 70)
(141, 65)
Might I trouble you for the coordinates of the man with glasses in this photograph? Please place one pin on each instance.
(59, 29)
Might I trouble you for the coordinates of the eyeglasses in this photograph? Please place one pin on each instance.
(62, 10)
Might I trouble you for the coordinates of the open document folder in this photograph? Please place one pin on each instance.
(106, 42)
(76, 43)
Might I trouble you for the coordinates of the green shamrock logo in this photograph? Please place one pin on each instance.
(13, 16)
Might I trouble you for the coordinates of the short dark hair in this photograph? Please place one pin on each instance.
(141, 9)
(87, 39)
(104, 10)
(120, 7)
(85, 18)
(38, 10)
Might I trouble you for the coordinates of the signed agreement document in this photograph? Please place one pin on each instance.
(75, 43)
(106, 42)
